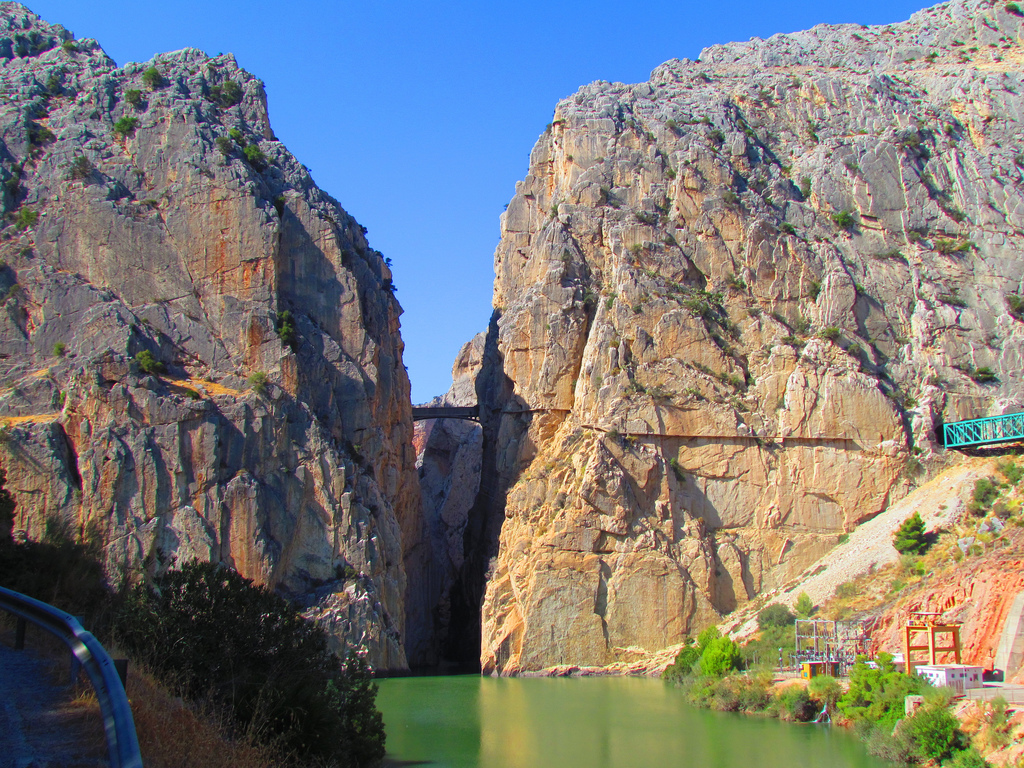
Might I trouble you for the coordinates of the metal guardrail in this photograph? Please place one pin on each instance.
(993, 429)
(122, 741)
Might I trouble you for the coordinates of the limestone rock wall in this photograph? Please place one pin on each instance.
(162, 216)
(732, 306)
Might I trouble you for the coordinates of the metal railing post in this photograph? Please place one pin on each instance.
(90, 655)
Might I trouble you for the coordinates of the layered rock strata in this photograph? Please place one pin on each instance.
(199, 351)
(732, 306)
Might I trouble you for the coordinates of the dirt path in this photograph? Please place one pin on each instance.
(42, 722)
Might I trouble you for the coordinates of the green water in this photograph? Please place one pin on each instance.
(482, 722)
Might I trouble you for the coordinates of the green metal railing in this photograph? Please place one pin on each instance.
(994, 429)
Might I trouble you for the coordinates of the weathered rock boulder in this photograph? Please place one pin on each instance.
(199, 351)
(732, 306)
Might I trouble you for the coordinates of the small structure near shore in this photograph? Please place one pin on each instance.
(959, 677)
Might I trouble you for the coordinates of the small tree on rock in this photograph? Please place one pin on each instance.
(910, 537)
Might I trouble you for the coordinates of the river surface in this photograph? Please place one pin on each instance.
(598, 722)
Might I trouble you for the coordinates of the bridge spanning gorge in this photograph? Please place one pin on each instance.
(987, 431)
(471, 412)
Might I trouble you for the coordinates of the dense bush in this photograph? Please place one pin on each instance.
(825, 690)
(255, 157)
(228, 94)
(153, 79)
(148, 363)
(794, 703)
(934, 731)
(910, 537)
(876, 693)
(719, 657)
(804, 605)
(212, 634)
(286, 329)
(126, 126)
(775, 615)
(25, 218)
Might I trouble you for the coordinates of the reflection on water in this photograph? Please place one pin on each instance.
(478, 722)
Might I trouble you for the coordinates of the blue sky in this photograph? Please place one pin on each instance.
(420, 117)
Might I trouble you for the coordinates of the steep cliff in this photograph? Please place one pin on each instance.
(200, 353)
(732, 305)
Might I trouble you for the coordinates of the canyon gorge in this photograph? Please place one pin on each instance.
(733, 306)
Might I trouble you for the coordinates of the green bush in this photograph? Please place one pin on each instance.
(1012, 471)
(58, 570)
(286, 329)
(983, 375)
(148, 363)
(825, 690)
(60, 349)
(255, 157)
(968, 758)
(684, 664)
(1015, 304)
(211, 633)
(39, 135)
(227, 94)
(259, 382)
(804, 605)
(831, 333)
(134, 97)
(934, 731)
(225, 145)
(843, 219)
(985, 492)
(720, 656)
(775, 615)
(126, 126)
(26, 218)
(152, 79)
(910, 537)
(81, 168)
(876, 694)
(795, 704)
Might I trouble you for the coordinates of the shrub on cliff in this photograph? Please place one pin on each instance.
(212, 634)
(910, 537)
(255, 156)
(126, 126)
(153, 79)
(148, 363)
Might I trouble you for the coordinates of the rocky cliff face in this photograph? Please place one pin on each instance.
(732, 305)
(152, 220)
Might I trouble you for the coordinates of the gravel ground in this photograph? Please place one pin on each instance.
(40, 725)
